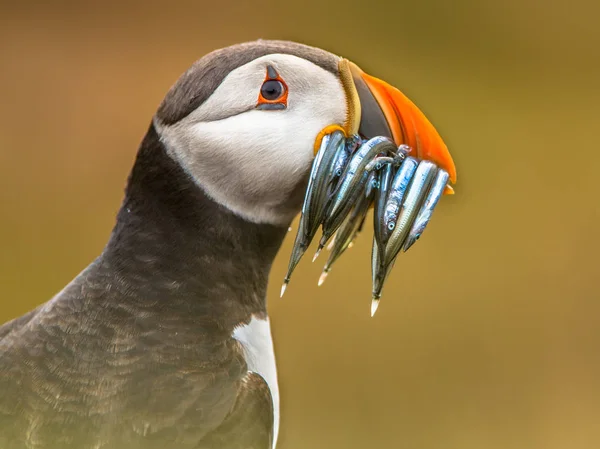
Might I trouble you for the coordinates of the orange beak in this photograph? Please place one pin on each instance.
(378, 109)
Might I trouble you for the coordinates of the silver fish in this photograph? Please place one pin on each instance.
(379, 162)
(372, 186)
(385, 220)
(402, 179)
(375, 264)
(385, 180)
(379, 275)
(349, 229)
(426, 211)
(319, 191)
(341, 161)
(423, 177)
(302, 241)
(313, 172)
(395, 158)
(298, 250)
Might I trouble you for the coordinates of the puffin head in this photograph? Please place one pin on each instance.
(244, 122)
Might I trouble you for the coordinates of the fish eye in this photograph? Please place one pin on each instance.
(272, 90)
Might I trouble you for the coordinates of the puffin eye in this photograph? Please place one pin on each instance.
(273, 92)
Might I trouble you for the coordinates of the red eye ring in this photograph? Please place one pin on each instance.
(273, 93)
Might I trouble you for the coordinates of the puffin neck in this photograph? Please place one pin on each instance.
(172, 241)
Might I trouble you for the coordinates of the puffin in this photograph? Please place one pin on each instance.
(164, 340)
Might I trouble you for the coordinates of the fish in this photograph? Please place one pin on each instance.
(341, 161)
(375, 264)
(379, 162)
(379, 274)
(298, 249)
(397, 190)
(385, 181)
(302, 240)
(371, 184)
(415, 195)
(385, 217)
(319, 191)
(424, 215)
(350, 228)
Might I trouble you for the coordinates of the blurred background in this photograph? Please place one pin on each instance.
(488, 334)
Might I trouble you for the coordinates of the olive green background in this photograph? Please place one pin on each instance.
(488, 333)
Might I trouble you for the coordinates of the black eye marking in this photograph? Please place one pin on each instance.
(270, 106)
(272, 73)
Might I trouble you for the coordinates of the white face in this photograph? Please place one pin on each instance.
(251, 160)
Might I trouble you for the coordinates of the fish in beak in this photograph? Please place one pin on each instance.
(394, 144)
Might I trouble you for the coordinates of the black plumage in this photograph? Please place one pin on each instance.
(137, 351)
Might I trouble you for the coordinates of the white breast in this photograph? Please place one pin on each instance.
(256, 340)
